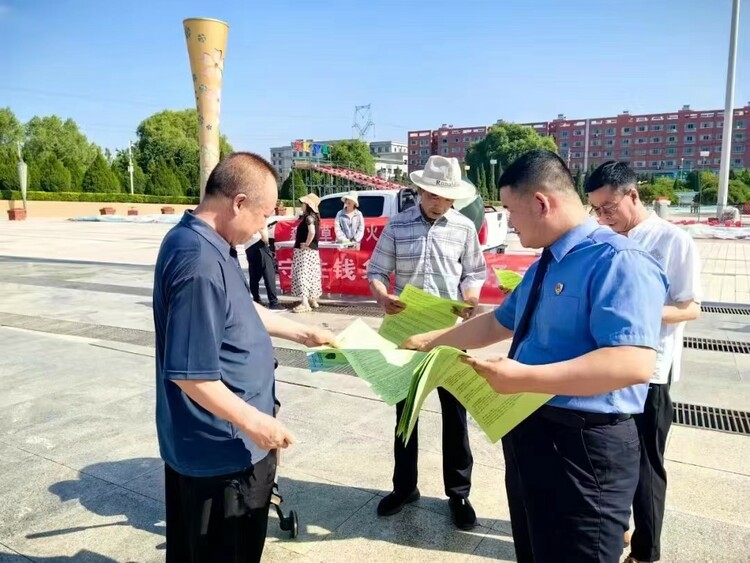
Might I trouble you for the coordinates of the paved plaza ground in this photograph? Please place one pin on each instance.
(80, 474)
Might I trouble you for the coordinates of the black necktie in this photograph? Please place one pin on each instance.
(536, 290)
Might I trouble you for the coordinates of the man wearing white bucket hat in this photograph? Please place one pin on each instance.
(435, 248)
(350, 223)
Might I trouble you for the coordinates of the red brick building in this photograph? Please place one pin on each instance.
(662, 143)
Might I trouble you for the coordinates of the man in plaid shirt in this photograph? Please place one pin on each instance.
(433, 247)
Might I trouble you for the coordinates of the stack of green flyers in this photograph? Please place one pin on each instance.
(442, 367)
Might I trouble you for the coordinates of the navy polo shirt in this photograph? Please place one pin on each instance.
(601, 289)
(207, 328)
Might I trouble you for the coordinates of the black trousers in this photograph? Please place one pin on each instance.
(261, 266)
(219, 519)
(457, 458)
(570, 483)
(650, 495)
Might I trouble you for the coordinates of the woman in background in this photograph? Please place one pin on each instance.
(306, 274)
(350, 223)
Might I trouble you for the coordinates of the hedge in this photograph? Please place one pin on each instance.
(103, 198)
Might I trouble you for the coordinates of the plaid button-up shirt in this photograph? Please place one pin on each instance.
(442, 258)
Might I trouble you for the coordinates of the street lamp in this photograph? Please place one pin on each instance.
(493, 162)
(130, 165)
(23, 174)
(704, 155)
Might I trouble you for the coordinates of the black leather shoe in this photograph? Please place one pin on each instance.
(394, 502)
(462, 513)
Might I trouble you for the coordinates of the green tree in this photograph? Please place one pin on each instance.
(293, 187)
(701, 180)
(11, 130)
(53, 176)
(172, 137)
(99, 178)
(353, 154)
(8, 168)
(657, 187)
(77, 170)
(50, 134)
(506, 142)
(492, 183)
(162, 180)
(482, 183)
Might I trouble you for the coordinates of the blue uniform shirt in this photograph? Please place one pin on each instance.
(601, 289)
(207, 328)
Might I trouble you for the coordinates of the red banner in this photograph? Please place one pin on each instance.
(344, 271)
(287, 230)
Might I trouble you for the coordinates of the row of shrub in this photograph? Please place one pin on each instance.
(97, 197)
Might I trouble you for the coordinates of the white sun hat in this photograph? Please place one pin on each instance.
(442, 176)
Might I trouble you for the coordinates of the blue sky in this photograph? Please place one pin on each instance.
(296, 69)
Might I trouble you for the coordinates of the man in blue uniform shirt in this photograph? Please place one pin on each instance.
(215, 372)
(585, 323)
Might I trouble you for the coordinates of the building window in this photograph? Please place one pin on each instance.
(625, 153)
(641, 152)
(455, 150)
(597, 132)
(669, 164)
(578, 144)
(642, 128)
(672, 127)
(706, 137)
(445, 150)
(687, 164)
(595, 154)
(424, 143)
(627, 131)
(640, 164)
(578, 133)
(610, 142)
(641, 140)
(738, 137)
(414, 142)
(580, 154)
(707, 125)
(690, 127)
(576, 166)
(738, 148)
(609, 154)
(719, 136)
(467, 139)
(564, 145)
(718, 148)
(656, 139)
(687, 151)
(412, 152)
(689, 138)
(596, 142)
(672, 140)
(740, 125)
(737, 162)
(564, 134)
(672, 150)
(610, 132)
(625, 143)
(413, 161)
(657, 128)
(655, 151)
(424, 152)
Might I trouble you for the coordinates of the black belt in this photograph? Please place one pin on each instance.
(581, 419)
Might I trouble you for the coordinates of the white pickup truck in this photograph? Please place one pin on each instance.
(492, 230)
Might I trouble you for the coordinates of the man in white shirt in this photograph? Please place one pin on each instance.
(613, 194)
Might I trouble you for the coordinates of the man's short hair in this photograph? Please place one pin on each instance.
(239, 173)
(617, 175)
(536, 169)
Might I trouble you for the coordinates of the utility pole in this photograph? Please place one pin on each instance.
(130, 165)
(726, 139)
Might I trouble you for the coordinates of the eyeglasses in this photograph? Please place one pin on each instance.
(609, 209)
